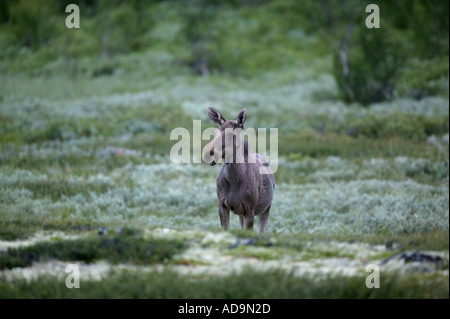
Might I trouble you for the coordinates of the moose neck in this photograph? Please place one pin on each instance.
(236, 171)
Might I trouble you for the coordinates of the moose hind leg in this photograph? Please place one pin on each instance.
(263, 219)
(224, 215)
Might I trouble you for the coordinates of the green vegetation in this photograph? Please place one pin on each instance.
(432, 240)
(248, 284)
(85, 122)
(19, 228)
(114, 248)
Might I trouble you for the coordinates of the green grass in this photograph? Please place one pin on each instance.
(84, 143)
(249, 284)
(56, 189)
(324, 145)
(21, 228)
(431, 240)
(121, 248)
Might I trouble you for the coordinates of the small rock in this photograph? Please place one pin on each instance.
(249, 242)
(392, 245)
(103, 231)
(422, 261)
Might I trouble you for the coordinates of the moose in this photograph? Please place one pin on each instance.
(245, 183)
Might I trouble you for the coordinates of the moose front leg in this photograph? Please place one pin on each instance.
(262, 220)
(249, 219)
(224, 215)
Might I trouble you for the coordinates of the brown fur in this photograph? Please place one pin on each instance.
(240, 186)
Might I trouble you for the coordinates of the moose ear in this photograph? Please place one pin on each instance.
(215, 116)
(242, 116)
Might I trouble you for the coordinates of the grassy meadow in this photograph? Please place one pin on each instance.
(86, 177)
